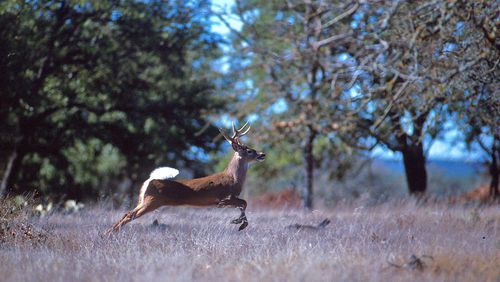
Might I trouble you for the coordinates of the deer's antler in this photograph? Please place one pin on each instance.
(240, 132)
(237, 133)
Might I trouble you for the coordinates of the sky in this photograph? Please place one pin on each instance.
(447, 148)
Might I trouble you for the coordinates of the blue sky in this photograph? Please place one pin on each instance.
(448, 148)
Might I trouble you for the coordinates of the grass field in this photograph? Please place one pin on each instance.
(361, 243)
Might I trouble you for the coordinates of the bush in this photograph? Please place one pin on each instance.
(14, 225)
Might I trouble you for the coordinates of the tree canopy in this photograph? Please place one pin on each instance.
(103, 87)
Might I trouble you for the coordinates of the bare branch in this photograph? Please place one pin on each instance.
(391, 103)
(228, 25)
(340, 17)
(321, 43)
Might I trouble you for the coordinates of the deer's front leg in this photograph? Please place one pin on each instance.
(241, 204)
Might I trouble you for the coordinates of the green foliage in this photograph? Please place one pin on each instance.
(97, 89)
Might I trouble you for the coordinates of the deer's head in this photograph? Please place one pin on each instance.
(243, 150)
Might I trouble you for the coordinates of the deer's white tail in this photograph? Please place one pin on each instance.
(164, 173)
(159, 173)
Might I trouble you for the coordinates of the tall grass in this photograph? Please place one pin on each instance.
(201, 245)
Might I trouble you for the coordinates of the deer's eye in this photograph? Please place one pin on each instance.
(249, 151)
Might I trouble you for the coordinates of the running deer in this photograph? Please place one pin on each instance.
(221, 189)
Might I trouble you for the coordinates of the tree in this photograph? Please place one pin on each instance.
(477, 109)
(480, 121)
(404, 65)
(279, 49)
(134, 75)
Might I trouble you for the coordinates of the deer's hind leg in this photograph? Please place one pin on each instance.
(241, 204)
(140, 210)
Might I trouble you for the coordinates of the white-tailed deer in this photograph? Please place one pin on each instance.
(221, 189)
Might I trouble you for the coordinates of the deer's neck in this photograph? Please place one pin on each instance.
(237, 169)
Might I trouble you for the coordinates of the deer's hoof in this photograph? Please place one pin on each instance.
(243, 226)
(237, 221)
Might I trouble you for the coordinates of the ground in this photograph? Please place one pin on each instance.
(362, 243)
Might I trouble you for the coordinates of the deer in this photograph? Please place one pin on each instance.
(221, 189)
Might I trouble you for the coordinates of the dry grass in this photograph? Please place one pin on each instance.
(200, 244)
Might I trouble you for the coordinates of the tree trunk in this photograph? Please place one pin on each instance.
(495, 174)
(8, 172)
(11, 170)
(307, 197)
(416, 174)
